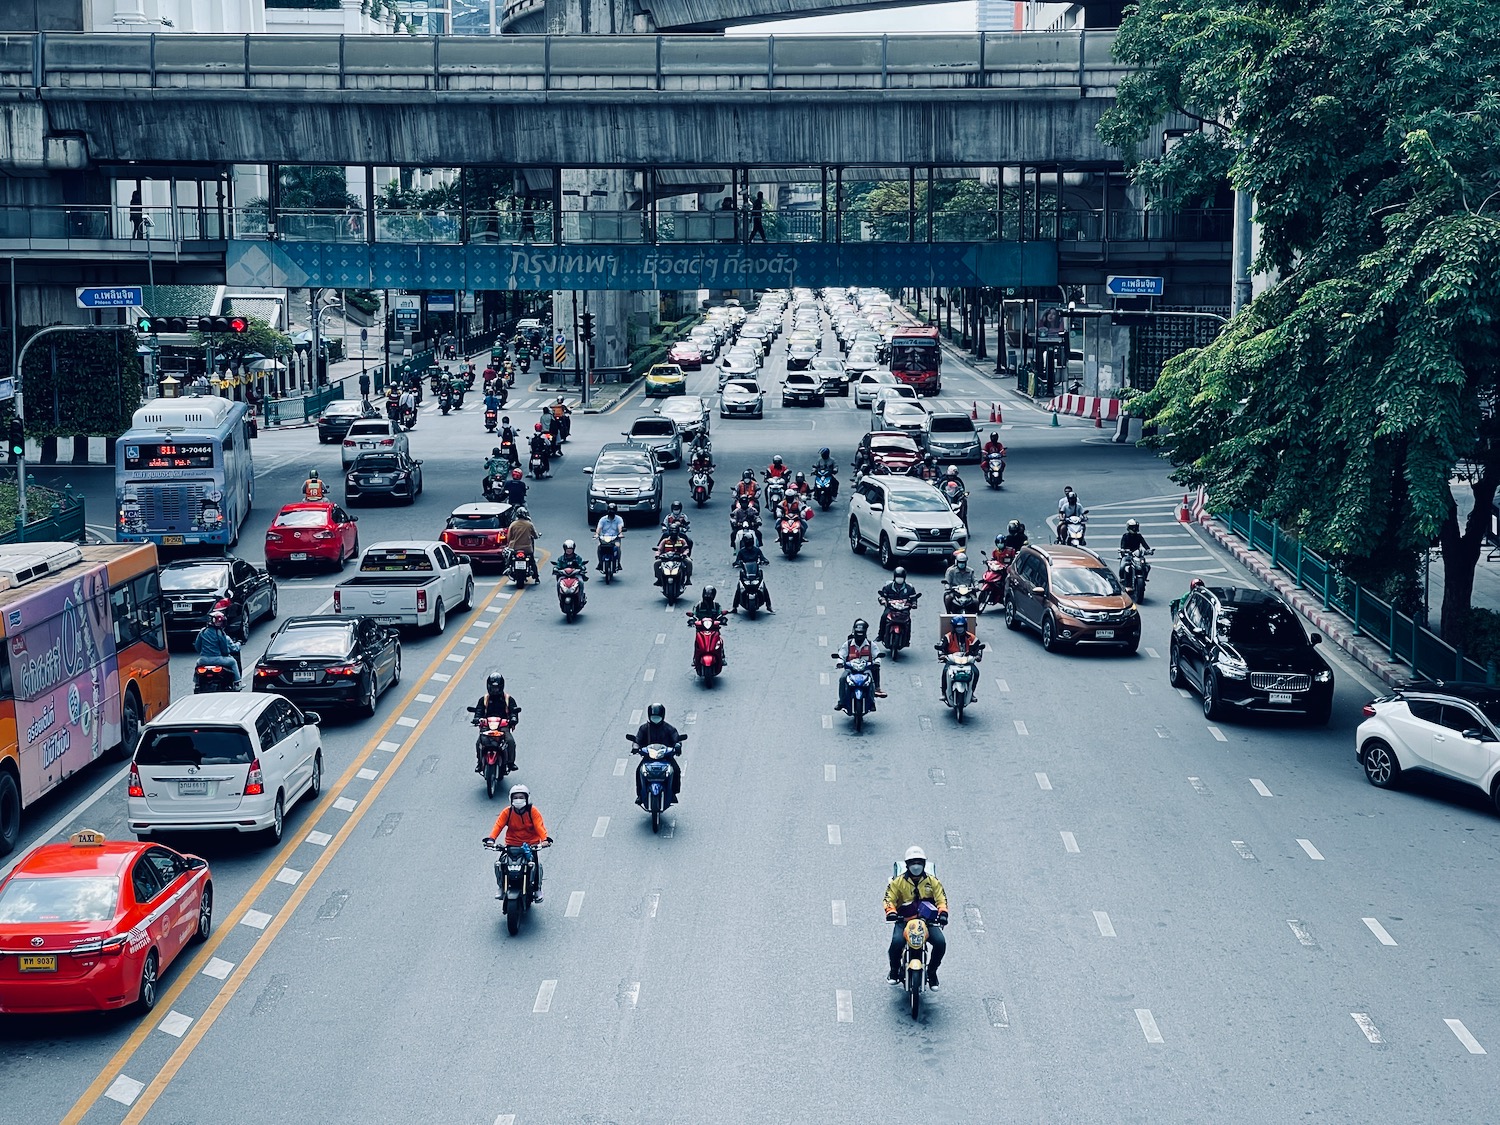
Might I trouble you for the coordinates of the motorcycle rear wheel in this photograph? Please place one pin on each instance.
(491, 781)
(958, 712)
(513, 922)
(656, 820)
(859, 722)
(708, 676)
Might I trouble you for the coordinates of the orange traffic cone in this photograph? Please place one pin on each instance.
(992, 412)
(974, 410)
(1183, 514)
(999, 414)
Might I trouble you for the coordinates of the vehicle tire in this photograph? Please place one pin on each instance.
(205, 915)
(1132, 647)
(315, 783)
(887, 558)
(859, 722)
(1212, 708)
(1012, 622)
(10, 812)
(131, 721)
(275, 607)
(513, 922)
(708, 676)
(914, 990)
(439, 618)
(468, 602)
(856, 544)
(656, 821)
(1382, 770)
(491, 781)
(1174, 666)
(1049, 634)
(371, 699)
(958, 713)
(150, 981)
(396, 670)
(271, 836)
(354, 554)
(273, 569)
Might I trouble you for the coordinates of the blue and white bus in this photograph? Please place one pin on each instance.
(183, 474)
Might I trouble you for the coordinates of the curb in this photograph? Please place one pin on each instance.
(1331, 624)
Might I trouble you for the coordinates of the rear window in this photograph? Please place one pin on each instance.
(652, 427)
(65, 899)
(370, 426)
(305, 517)
(475, 523)
(194, 746)
(952, 426)
(377, 463)
(394, 561)
(204, 578)
(333, 640)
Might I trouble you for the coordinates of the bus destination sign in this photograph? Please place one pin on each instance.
(169, 455)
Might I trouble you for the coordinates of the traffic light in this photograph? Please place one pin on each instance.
(234, 324)
(17, 443)
(180, 324)
(586, 322)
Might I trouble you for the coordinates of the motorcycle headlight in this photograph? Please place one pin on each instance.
(1232, 666)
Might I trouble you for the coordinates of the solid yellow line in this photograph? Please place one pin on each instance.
(187, 974)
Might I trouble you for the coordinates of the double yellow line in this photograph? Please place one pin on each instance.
(190, 972)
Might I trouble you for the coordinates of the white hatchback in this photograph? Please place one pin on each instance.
(1450, 729)
(226, 762)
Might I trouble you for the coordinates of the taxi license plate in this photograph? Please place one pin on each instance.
(192, 789)
(1105, 634)
(302, 677)
(171, 541)
(38, 963)
(299, 556)
(1280, 697)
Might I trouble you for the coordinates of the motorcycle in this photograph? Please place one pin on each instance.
(656, 787)
(435, 381)
(861, 688)
(963, 598)
(775, 493)
(698, 484)
(515, 866)
(491, 420)
(538, 467)
(917, 946)
(671, 574)
(609, 556)
(992, 585)
(508, 451)
(962, 672)
(1133, 568)
(825, 487)
(493, 753)
(210, 676)
(751, 594)
(409, 419)
(445, 401)
(570, 593)
(791, 530)
(1074, 530)
(740, 521)
(520, 566)
(708, 647)
(994, 470)
(958, 499)
(494, 488)
(895, 624)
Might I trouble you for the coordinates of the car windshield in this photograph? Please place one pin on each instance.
(194, 746)
(827, 365)
(651, 427)
(621, 463)
(892, 445)
(742, 388)
(798, 377)
(195, 577)
(304, 517)
(377, 463)
(73, 898)
(899, 408)
(1260, 625)
(916, 501)
(298, 642)
(1087, 581)
(336, 408)
(952, 426)
(475, 522)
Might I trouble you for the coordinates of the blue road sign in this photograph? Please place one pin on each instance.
(115, 297)
(1133, 286)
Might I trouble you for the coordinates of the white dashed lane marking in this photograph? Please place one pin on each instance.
(388, 746)
(1021, 727)
(1470, 1043)
(840, 913)
(830, 773)
(124, 1090)
(575, 905)
(843, 1000)
(601, 826)
(835, 834)
(1070, 842)
(319, 839)
(367, 774)
(289, 875)
(175, 1024)
(1312, 852)
(1367, 1025)
(1106, 927)
(256, 919)
(544, 997)
(1148, 1025)
(218, 968)
(406, 721)
(1381, 935)
(1043, 781)
(344, 804)
(1219, 735)
(620, 764)
(1260, 787)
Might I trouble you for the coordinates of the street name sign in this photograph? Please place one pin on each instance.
(114, 297)
(1117, 286)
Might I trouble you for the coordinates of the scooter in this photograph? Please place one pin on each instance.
(538, 467)
(409, 419)
(751, 594)
(491, 420)
(698, 484)
(791, 530)
(895, 624)
(521, 566)
(825, 487)
(515, 867)
(445, 401)
(493, 732)
(861, 688)
(992, 585)
(656, 780)
(958, 499)
(708, 647)
(609, 556)
(775, 493)
(571, 597)
(994, 470)
(210, 676)
(671, 574)
(962, 671)
(1133, 568)
(1074, 529)
(494, 488)
(960, 599)
(740, 521)
(916, 952)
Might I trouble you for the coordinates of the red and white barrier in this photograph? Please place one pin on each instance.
(1087, 406)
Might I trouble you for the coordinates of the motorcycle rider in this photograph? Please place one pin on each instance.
(800, 487)
(541, 446)
(1133, 540)
(656, 731)
(673, 540)
(521, 536)
(495, 703)
(492, 401)
(312, 487)
(1067, 507)
(515, 487)
(960, 640)
(571, 559)
(611, 524)
(949, 480)
(744, 509)
(994, 445)
(897, 587)
(562, 419)
(1013, 539)
(826, 464)
(747, 489)
(213, 644)
(925, 469)
(700, 460)
(495, 465)
(959, 573)
(521, 823)
(903, 894)
(408, 402)
(857, 646)
(778, 471)
(679, 522)
(749, 552)
(708, 605)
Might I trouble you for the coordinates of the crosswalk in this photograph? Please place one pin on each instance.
(1178, 550)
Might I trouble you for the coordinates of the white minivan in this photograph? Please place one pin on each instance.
(227, 762)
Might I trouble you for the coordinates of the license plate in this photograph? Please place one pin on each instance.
(302, 677)
(1105, 634)
(171, 541)
(192, 789)
(299, 556)
(1280, 697)
(38, 963)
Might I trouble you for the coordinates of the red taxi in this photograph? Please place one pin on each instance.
(310, 533)
(479, 531)
(92, 924)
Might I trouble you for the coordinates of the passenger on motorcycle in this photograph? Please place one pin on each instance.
(898, 587)
(750, 553)
(214, 645)
(925, 469)
(541, 446)
(857, 646)
(904, 896)
(520, 822)
(745, 515)
(960, 640)
(495, 703)
(656, 731)
(673, 541)
(678, 522)
(1014, 538)
(611, 525)
(1067, 507)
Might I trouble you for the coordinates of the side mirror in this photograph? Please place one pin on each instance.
(311, 718)
(682, 738)
(1316, 638)
(589, 469)
(466, 560)
(1477, 735)
(353, 519)
(630, 738)
(876, 507)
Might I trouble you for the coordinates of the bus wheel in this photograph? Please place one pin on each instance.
(10, 811)
(130, 723)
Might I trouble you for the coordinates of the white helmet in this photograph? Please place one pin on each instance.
(913, 853)
(521, 792)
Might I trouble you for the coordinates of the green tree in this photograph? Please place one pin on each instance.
(258, 339)
(309, 187)
(1345, 398)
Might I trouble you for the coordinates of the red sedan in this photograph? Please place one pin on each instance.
(309, 533)
(686, 355)
(897, 450)
(91, 924)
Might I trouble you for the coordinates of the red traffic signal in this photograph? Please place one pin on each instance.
(235, 324)
(238, 324)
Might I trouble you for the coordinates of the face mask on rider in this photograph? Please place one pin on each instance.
(915, 869)
(519, 806)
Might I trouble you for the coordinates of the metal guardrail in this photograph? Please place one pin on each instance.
(303, 408)
(66, 524)
(51, 61)
(1400, 634)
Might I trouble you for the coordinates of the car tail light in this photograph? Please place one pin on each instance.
(324, 534)
(266, 673)
(135, 788)
(108, 946)
(1368, 709)
(349, 442)
(338, 602)
(343, 670)
(255, 781)
(387, 441)
(421, 601)
(273, 537)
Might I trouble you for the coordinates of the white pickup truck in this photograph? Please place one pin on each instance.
(407, 583)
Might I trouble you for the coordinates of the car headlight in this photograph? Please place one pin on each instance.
(1232, 666)
(1323, 677)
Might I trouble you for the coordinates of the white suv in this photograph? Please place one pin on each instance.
(224, 762)
(1452, 730)
(902, 517)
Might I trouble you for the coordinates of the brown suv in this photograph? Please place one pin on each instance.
(1069, 596)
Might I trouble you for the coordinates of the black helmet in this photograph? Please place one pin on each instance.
(710, 593)
(748, 474)
(995, 435)
(1014, 525)
(494, 682)
(823, 452)
(495, 452)
(899, 574)
(569, 546)
(677, 507)
(776, 461)
(613, 509)
(861, 629)
(1132, 525)
(312, 474)
(505, 420)
(930, 459)
(657, 713)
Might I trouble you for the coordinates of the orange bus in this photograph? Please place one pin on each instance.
(85, 663)
(917, 358)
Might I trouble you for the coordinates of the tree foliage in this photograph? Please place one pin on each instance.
(1343, 400)
(83, 383)
(258, 339)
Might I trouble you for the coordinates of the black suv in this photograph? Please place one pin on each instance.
(1245, 650)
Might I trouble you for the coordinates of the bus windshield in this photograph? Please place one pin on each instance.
(915, 356)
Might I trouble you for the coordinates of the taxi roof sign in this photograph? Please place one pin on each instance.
(87, 838)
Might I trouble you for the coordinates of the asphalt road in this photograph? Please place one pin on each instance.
(1153, 919)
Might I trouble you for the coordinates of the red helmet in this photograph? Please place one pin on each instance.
(516, 473)
(538, 427)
